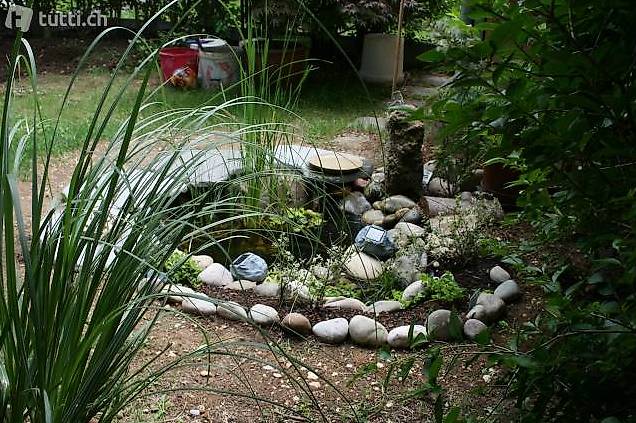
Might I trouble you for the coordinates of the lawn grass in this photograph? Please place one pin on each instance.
(327, 105)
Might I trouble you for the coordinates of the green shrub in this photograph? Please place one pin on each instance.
(183, 271)
(443, 288)
(550, 92)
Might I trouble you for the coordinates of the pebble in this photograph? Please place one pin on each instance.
(356, 204)
(203, 261)
(396, 202)
(231, 310)
(314, 385)
(241, 285)
(333, 331)
(362, 266)
(411, 291)
(174, 290)
(201, 306)
(264, 315)
(268, 290)
(508, 291)
(399, 337)
(216, 275)
(373, 217)
(367, 332)
(297, 323)
(346, 304)
(384, 306)
(489, 308)
(473, 327)
(439, 325)
(498, 274)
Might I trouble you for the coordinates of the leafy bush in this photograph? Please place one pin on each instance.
(182, 270)
(549, 92)
(442, 288)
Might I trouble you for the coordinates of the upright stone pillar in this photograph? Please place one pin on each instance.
(403, 155)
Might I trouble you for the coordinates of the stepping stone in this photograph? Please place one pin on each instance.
(335, 163)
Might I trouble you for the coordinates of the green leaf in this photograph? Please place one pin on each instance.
(432, 56)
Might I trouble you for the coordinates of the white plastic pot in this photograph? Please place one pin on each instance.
(378, 58)
(217, 64)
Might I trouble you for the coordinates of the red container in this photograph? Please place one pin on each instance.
(173, 58)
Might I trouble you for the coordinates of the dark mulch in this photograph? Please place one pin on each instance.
(472, 278)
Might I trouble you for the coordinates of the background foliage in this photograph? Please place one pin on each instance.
(549, 90)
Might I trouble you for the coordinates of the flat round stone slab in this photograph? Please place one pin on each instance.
(335, 163)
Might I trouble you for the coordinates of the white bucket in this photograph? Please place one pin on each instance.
(378, 58)
(217, 67)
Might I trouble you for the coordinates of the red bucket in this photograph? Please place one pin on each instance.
(173, 58)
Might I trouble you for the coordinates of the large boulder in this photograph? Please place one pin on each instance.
(346, 304)
(498, 274)
(473, 327)
(231, 310)
(373, 217)
(199, 306)
(384, 306)
(394, 203)
(268, 289)
(408, 266)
